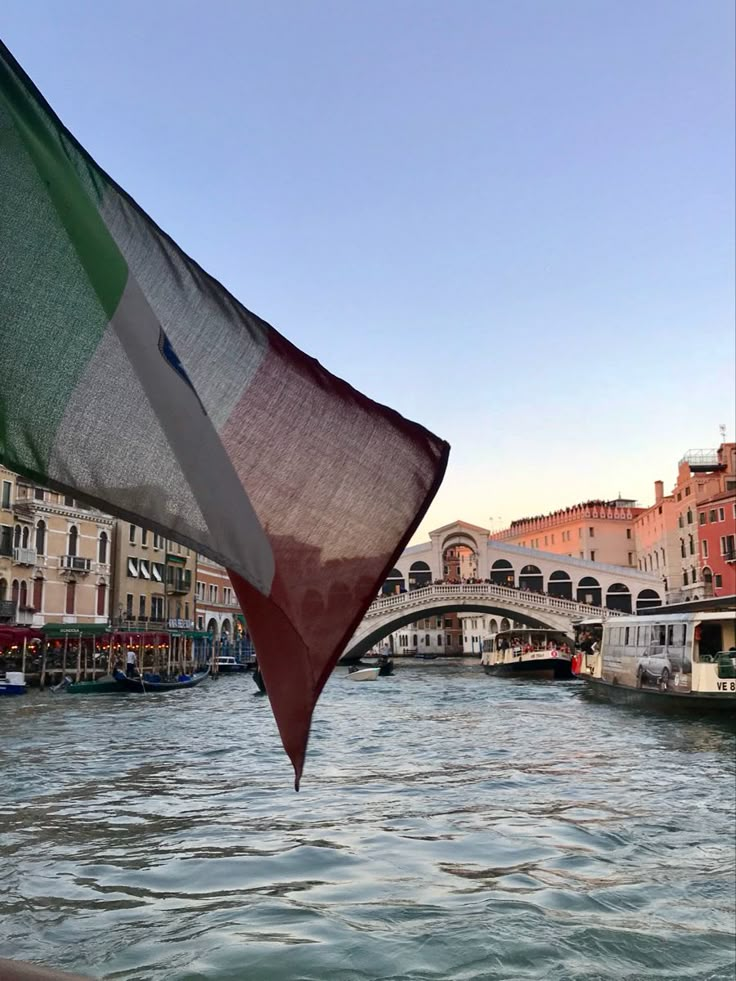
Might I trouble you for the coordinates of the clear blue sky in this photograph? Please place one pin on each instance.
(513, 221)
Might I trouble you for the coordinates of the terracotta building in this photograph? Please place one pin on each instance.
(217, 608)
(717, 532)
(597, 531)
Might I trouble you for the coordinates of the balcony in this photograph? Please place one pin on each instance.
(178, 583)
(73, 563)
(24, 556)
(730, 555)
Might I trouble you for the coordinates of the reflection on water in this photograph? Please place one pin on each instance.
(449, 826)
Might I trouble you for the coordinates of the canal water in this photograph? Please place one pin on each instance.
(450, 826)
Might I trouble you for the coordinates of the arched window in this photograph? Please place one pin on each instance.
(23, 595)
(16, 537)
(505, 624)
(419, 575)
(426, 640)
(414, 640)
(656, 560)
(41, 538)
(439, 640)
(101, 599)
(71, 597)
(14, 592)
(73, 540)
(502, 573)
(531, 578)
(560, 585)
(102, 548)
(38, 595)
(26, 533)
(494, 627)
(683, 553)
(691, 544)
(618, 597)
(708, 576)
(589, 591)
(394, 583)
(3, 589)
(646, 599)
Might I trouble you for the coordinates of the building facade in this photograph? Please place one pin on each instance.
(55, 556)
(153, 579)
(217, 609)
(596, 531)
(717, 531)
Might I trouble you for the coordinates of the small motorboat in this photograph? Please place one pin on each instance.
(385, 667)
(363, 674)
(154, 683)
(227, 664)
(13, 683)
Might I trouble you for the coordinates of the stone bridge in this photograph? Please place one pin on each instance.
(389, 613)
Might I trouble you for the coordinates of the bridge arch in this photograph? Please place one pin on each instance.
(436, 608)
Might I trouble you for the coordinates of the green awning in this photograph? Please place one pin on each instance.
(55, 630)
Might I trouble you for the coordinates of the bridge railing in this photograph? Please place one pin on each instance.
(518, 597)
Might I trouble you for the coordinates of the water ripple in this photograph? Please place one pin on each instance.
(450, 826)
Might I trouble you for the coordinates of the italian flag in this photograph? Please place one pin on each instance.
(133, 379)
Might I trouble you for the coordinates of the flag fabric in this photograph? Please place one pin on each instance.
(133, 379)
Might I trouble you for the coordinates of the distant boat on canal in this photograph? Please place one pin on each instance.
(525, 653)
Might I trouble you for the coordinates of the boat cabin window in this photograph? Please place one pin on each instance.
(627, 634)
(711, 638)
(676, 633)
(659, 635)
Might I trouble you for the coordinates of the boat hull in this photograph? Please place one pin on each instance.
(548, 669)
(363, 674)
(11, 690)
(103, 686)
(141, 686)
(232, 668)
(13, 683)
(663, 701)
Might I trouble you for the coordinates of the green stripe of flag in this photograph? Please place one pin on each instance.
(62, 273)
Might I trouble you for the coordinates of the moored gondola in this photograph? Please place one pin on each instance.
(150, 683)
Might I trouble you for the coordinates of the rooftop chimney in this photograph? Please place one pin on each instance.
(658, 491)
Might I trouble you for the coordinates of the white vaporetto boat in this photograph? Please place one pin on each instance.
(662, 660)
(363, 674)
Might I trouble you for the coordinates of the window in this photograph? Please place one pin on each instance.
(592, 555)
(728, 546)
(680, 521)
(694, 574)
(683, 553)
(679, 496)
(426, 640)
(684, 578)
(157, 573)
(16, 537)
(73, 540)
(71, 597)
(439, 640)
(721, 514)
(158, 541)
(701, 518)
(449, 640)
(6, 540)
(141, 607)
(157, 607)
(129, 606)
(26, 535)
(68, 501)
(102, 548)
(718, 580)
(131, 534)
(591, 532)
(39, 494)
(631, 558)
(687, 491)
(133, 568)
(101, 599)
(38, 595)
(6, 493)
(628, 532)
(691, 543)
(143, 569)
(704, 546)
(144, 537)
(689, 516)
(712, 515)
(414, 640)
(186, 611)
(24, 595)
(214, 592)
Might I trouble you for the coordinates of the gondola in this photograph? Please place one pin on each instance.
(153, 683)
